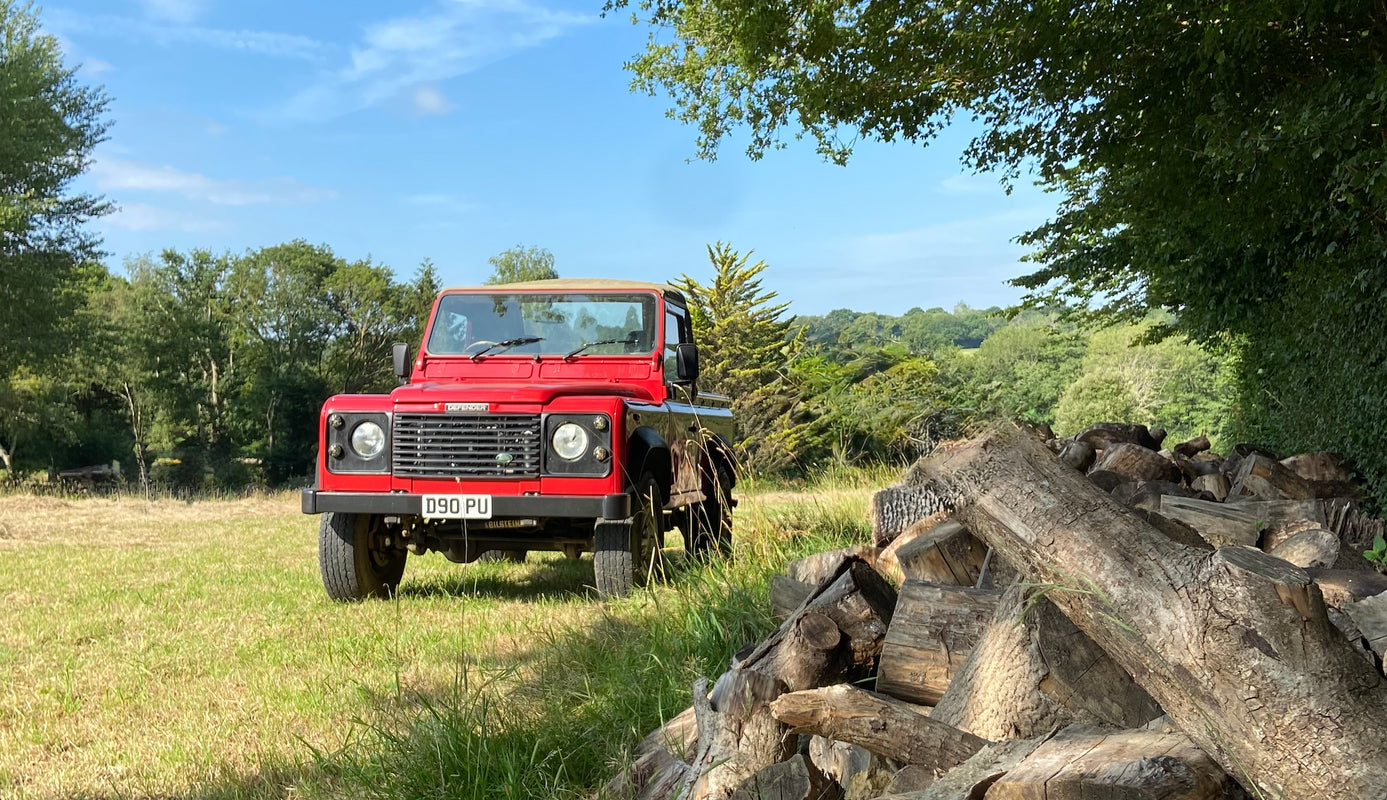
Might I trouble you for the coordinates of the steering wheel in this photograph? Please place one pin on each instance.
(477, 345)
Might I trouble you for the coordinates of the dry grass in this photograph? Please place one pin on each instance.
(166, 648)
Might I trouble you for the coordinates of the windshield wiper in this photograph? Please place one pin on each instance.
(586, 345)
(508, 343)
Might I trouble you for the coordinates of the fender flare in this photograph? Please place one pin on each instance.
(647, 451)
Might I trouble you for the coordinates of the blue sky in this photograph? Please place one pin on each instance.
(453, 129)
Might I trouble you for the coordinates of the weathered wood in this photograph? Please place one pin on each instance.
(896, 508)
(1136, 463)
(794, 779)
(932, 631)
(1309, 548)
(1215, 483)
(787, 595)
(1235, 645)
(736, 740)
(1319, 466)
(885, 726)
(1147, 494)
(1192, 448)
(1266, 479)
(838, 760)
(1106, 434)
(910, 778)
(821, 567)
(1079, 455)
(1356, 530)
(1176, 530)
(1105, 480)
(947, 554)
(1370, 615)
(1343, 586)
(679, 736)
(971, 779)
(1244, 523)
(1080, 764)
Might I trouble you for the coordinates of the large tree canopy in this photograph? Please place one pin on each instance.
(1223, 161)
(49, 123)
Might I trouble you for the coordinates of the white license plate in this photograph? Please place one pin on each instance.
(457, 506)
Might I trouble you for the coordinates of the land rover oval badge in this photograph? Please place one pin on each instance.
(504, 459)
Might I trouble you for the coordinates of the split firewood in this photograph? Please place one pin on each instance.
(1033, 670)
(932, 631)
(1264, 478)
(911, 778)
(1309, 548)
(896, 508)
(1081, 764)
(1235, 645)
(1147, 494)
(822, 567)
(794, 779)
(1137, 463)
(1205, 463)
(1079, 455)
(1245, 523)
(838, 760)
(971, 779)
(787, 595)
(1106, 434)
(948, 553)
(1343, 586)
(1370, 615)
(1356, 530)
(1215, 483)
(1319, 466)
(1193, 447)
(1105, 480)
(1176, 530)
(1240, 451)
(884, 726)
(736, 740)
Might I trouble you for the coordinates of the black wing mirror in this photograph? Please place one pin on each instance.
(400, 354)
(686, 363)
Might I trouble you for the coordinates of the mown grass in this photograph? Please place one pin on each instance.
(186, 649)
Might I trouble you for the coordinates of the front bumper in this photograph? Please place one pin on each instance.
(610, 506)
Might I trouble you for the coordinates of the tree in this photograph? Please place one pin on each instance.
(521, 263)
(1213, 159)
(49, 124)
(744, 346)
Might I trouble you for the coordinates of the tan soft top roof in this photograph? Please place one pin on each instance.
(578, 284)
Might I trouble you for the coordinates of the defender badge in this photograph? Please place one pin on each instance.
(467, 408)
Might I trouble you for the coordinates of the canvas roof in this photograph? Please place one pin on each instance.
(578, 284)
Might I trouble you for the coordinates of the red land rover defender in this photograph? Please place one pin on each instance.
(549, 415)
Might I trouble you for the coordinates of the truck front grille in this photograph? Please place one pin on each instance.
(466, 446)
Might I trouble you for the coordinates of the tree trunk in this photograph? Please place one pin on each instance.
(896, 508)
(882, 725)
(932, 631)
(1235, 645)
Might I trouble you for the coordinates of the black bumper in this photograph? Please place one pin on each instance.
(611, 506)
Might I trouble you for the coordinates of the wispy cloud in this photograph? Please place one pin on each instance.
(405, 56)
(170, 33)
(120, 175)
(142, 217)
(183, 11)
(429, 101)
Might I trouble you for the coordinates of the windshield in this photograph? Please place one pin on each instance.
(486, 325)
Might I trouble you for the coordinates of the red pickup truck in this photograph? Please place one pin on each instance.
(548, 415)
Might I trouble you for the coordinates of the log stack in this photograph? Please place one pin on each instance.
(1079, 618)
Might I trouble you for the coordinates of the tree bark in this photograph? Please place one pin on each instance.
(1137, 463)
(795, 779)
(787, 595)
(896, 508)
(1267, 479)
(882, 725)
(932, 631)
(1235, 645)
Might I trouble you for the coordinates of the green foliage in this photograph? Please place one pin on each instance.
(521, 263)
(49, 124)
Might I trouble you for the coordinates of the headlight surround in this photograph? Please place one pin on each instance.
(569, 441)
(368, 440)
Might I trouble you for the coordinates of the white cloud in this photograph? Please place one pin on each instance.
(166, 34)
(428, 101)
(397, 56)
(142, 217)
(183, 11)
(118, 174)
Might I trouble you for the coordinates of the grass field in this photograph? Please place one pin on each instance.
(186, 649)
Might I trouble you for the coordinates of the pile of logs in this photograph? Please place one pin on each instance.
(1093, 617)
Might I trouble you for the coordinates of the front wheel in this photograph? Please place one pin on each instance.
(626, 552)
(708, 526)
(357, 558)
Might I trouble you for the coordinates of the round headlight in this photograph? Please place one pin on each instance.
(368, 440)
(570, 441)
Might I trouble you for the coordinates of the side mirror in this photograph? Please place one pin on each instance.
(686, 363)
(400, 353)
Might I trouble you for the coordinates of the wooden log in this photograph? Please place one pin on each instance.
(1309, 548)
(1136, 463)
(910, 778)
(794, 779)
(737, 740)
(1319, 466)
(885, 726)
(838, 760)
(971, 779)
(1370, 615)
(1105, 480)
(1176, 530)
(1245, 523)
(932, 631)
(1082, 764)
(896, 508)
(1263, 478)
(787, 595)
(1215, 483)
(1235, 645)
(947, 554)
(1107, 434)
(1192, 448)
(1240, 451)
(1079, 455)
(1147, 494)
(1343, 586)
(821, 567)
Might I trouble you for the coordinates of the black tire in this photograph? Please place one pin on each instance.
(626, 552)
(515, 556)
(355, 561)
(708, 528)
